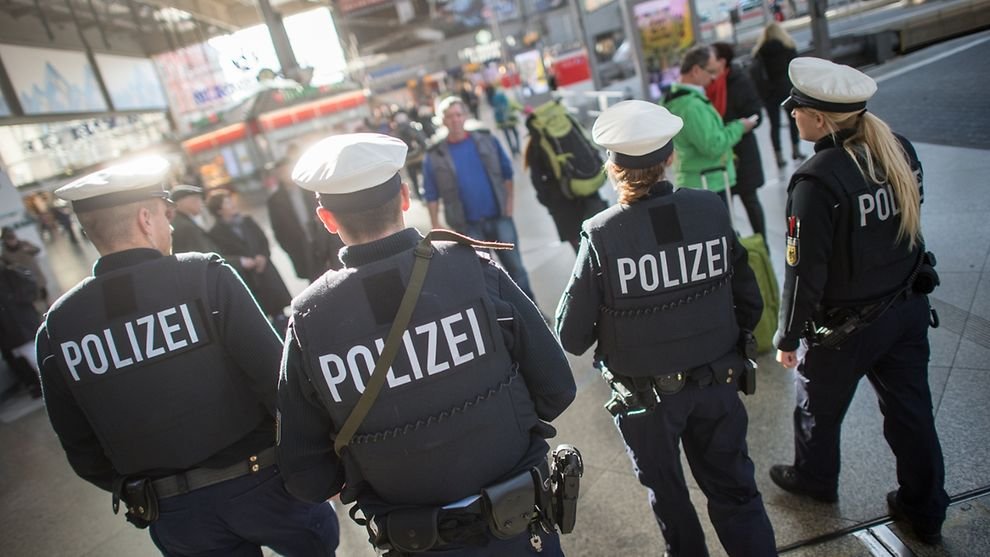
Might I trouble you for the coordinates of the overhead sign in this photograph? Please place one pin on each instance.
(48, 81)
(131, 82)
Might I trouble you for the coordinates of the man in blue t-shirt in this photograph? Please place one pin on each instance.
(472, 174)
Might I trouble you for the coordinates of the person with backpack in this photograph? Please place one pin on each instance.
(567, 209)
(704, 147)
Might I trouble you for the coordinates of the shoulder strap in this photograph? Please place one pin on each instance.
(424, 253)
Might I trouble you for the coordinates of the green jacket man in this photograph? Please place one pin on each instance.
(705, 143)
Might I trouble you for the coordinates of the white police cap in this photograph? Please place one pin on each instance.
(352, 172)
(637, 134)
(185, 190)
(827, 86)
(134, 180)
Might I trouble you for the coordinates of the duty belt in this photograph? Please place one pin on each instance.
(197, 478)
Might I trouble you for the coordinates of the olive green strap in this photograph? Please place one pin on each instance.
(423, 253)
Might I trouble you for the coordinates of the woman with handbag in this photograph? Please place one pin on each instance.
(854, 244)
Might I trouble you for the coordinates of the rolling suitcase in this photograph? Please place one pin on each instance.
(759, 261)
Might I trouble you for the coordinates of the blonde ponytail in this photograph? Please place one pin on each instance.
(881, 159)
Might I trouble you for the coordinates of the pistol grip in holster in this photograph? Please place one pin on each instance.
(413, 530)
(138, 495)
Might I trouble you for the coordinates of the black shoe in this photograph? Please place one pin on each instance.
(798, 155)
(786, 477)
(781, 163)
(926, 534)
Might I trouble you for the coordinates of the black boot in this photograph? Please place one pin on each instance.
(930, 534)
(788, 478)
(781, 163)
(798, 155)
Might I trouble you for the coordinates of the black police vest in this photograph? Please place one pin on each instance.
(868, 263)
(139, 352)
(454, 415)
(667, 277)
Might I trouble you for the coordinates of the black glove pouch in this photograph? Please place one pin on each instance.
(413, 530)
(142, 503)
(511, 505)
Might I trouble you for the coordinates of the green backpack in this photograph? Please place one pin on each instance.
(574, 159)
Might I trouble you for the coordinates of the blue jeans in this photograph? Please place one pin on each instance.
(238, 516)
(503, 229)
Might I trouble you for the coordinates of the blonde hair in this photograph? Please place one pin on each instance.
(633, 184)
(881, 158)
(774, 32)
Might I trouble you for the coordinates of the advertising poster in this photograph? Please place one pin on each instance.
(531, 72)
(52, 81)
(666, 30)
(131, 82)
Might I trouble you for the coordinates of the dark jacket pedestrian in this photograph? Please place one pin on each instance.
(853, 305)
(775, 49)
(240, 238)
(567, 212)
(742, 101)
(19, 320)
(188, 233)
(292, 213)
(21, 253)
(160, 376)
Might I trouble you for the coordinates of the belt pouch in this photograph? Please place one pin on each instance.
(142, 503)
(413, 530)
(671, 383)
(511, 505)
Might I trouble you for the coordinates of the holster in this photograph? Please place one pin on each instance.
(413, 530)
(510, 505)
(566, 469)
(140, 499)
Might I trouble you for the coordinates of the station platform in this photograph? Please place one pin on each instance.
(45, 509)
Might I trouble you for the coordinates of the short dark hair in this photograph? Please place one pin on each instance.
(724, 51)
(370, 223)
(215, 199)
(697, 56)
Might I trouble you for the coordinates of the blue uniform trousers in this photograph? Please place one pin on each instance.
(893, 354)
(238, 516)
(710, 422)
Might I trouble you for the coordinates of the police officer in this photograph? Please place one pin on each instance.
(661, 284)
(854, 257)
(160, 376)
(476, 377)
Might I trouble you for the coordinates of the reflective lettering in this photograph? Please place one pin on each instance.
(866, 206)
(117, 362)
(453, 340)
(149, 343)
(73, 357)
(883, 204)
(479, 342)
(431, 348)
(94, 341)
(667, 281)
(365, 354)
(170, 329)
(193, 335)
(393, 381)
(683, 261)
(132, 336)
(411, 353)
(711, 245)
(696, 249)
(627, 270)
(333, 379)
(648, 265)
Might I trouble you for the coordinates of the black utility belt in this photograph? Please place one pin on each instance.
(141, 495)
(543, 497)
(640, 395)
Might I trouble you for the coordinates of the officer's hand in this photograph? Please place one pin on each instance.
(247, 262)
(260, 262)
(787, 359)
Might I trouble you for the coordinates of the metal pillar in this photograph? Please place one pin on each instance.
(588, 42)
(819, 28)
(280, 39)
